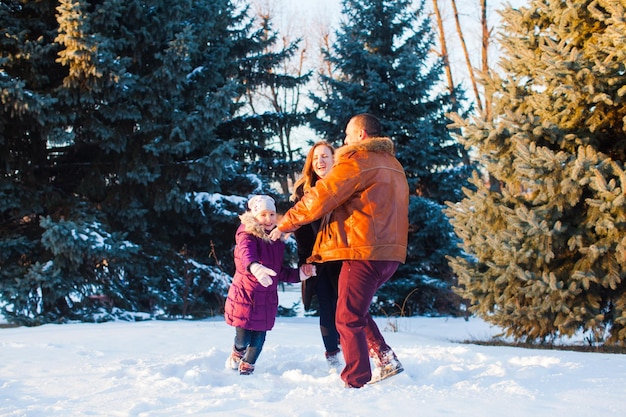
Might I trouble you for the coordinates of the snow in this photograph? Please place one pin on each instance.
(176, 368)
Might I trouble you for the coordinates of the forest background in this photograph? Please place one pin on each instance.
(133, 132)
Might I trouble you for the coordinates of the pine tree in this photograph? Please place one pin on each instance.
(118, 182)
(382, 64)
(545, 234)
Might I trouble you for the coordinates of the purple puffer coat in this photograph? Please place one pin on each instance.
(249, 304)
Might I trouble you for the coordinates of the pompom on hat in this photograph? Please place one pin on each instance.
(259, 203)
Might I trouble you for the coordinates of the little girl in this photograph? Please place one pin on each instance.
(252, 301)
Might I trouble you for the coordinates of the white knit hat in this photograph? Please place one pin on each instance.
(259, 203)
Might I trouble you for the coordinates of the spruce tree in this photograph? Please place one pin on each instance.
(118, 182)
(27, 30)
(545, 226)
(382, 64)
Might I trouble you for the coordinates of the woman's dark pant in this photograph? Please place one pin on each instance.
(358, 282)
(326, 291)
(250, 340)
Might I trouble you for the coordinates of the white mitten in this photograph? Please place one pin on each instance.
(275, 234)
(307, 271)
(262, 273)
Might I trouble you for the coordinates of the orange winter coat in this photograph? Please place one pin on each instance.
(364, 203)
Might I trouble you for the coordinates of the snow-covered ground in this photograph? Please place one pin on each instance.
(176, 368)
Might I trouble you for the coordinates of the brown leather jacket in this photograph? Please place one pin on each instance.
(364, 202)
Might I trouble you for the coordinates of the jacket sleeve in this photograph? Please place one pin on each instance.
(247, 248)
(305, 238)
(329, 193)
(288, 274)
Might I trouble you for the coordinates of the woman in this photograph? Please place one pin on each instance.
(318, 163)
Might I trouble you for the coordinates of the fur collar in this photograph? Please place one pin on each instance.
(253, 227)
(374, 144)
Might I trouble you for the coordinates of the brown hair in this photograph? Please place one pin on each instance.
(308, 178)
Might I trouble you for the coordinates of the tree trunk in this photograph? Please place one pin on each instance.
(444, 51)
(486, 34)
(470, 69)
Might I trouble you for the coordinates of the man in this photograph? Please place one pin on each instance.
(364, 203)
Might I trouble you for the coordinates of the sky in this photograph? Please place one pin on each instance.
(177, 368)
(306, 18)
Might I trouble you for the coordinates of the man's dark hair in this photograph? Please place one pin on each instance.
(369, 123)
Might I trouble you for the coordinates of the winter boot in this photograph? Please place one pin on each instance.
(235, 357)
(387, 364)
(334, 361)
(246, 368)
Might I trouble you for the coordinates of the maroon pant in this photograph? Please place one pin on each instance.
(358, 333)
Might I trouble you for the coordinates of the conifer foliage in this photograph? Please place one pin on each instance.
(262, 128)
(382, 64)
(114, 156)
(546, 234)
